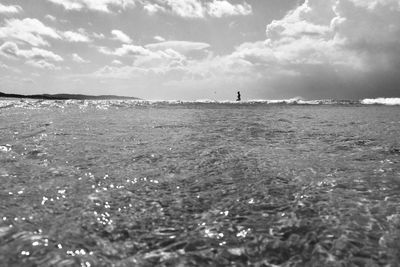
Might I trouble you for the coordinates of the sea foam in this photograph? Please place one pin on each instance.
(381, 101)
(104, 104)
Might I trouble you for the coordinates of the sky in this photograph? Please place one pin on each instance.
(202, 49)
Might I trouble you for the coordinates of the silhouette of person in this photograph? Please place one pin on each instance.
(238, 96)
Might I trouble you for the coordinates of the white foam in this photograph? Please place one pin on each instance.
(34, 103)
(381, 101)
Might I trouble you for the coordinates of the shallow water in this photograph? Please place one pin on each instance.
(102, 183)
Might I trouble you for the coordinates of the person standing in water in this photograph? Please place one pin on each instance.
(238, 96)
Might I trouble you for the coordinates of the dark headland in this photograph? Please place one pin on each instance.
(70, 96)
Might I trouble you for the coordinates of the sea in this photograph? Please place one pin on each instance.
(202, 183)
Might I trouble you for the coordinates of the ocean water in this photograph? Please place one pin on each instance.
(138, 183)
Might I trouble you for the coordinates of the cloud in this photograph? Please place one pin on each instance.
(28, 30)
(179, 46)
(13, 9)
(126, 50)
(121, 36)
(197, 8)
(373, 4)
(342, 32)
(170, 69)
(220, 9)
(77, 58)
(146, 61)
(36, 57)
(157, 58)
(365, 29)
(10, 49)
(76, 37)
(42, 64)
(159, 38)
(35, 33)
(153, 8)
(172, 61)
(105, 50)
(6, 67)
(98, 35)
(50, 17)
(95, 5)
(116, 62)
(187, 8)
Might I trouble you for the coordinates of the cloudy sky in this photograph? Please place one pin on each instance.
(202, 49)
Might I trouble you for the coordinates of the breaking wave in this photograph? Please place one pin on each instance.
(381, 101)
(105, 104)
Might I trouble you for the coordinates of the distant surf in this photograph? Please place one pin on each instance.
(290, 101)
(105, 103)
(381, 101)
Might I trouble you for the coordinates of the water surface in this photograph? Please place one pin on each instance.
(119, 183)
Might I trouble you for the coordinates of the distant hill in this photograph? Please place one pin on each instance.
(70, 96)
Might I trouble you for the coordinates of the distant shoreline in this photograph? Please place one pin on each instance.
(69, 96)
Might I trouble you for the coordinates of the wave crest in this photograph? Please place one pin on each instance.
(381, 101)
(104, 104)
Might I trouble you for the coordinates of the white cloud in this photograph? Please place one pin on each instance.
(167, 66)
(186, 8)
(34, 32)
(41, 54)
(76, 37)
(131, 50)
(10, 49)
(116, 62)
(197, 8)
(69, 5)
(224, 8)
(98, 35)
(42, 64)
(165, 62)
(50, 17)
(158, 60)
(159, 38)
(4, 66)
(342, 32)
(77, 58)
(125, 50)
(13, 9)
(153, 8)
(373, 4)
(96, 5)
(31, 31)
(121, 36)
(179, 46)
(169, 49)
(105, 50)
